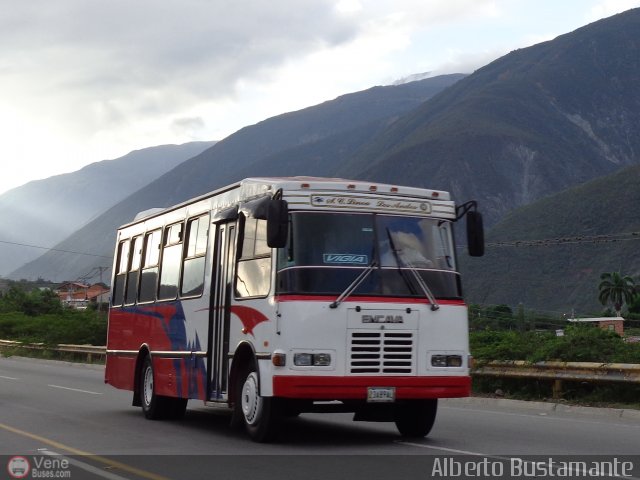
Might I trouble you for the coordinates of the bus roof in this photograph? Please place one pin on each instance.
(253, 187)
(346, 185)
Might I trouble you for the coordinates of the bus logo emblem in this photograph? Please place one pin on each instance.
(382, 319)
(340, 258)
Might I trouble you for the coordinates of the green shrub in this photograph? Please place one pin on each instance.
(507, 345)
(72, 327)
(33, 303)
(580, 343)
(585, 343)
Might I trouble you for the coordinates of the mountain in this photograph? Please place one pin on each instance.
(315, 140)
(529, 124)
(549, 255)
(44, 212)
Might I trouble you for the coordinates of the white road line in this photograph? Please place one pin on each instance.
(75, 389)
(82, 465)
(444, 449)
(556, 416)
(8, 378)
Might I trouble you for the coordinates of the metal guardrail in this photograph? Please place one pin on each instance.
(561, 371)
(92, 352)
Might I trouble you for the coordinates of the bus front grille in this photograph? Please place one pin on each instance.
(382, 352)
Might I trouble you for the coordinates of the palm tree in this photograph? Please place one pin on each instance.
(616, 289)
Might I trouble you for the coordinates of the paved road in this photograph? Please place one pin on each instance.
(49, 408)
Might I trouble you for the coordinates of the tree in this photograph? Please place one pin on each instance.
(493, 317)
(616, 289)
(33, 303)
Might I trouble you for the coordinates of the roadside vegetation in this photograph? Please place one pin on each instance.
(37, 316)
(497, 333)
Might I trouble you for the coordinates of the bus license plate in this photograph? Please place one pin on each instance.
(381, 394)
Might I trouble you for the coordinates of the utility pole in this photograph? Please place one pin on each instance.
(100, 270)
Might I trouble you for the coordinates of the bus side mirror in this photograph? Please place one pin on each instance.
(277, 223)
(475, 233)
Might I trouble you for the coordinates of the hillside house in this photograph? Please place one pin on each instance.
(613, 324)
(79, 295)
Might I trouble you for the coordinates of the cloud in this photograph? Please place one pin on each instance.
(607, 8)
(189, 127)
(109, 60)
(93, 79)
(98, 65)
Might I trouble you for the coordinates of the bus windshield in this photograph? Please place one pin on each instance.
(327, 251)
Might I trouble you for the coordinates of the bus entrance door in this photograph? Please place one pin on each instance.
(223, 238)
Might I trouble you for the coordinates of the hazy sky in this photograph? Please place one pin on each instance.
(89, 80)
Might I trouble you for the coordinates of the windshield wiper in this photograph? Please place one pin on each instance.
(400, 259)
(355, 284)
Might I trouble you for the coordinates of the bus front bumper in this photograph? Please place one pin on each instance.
(357, 388)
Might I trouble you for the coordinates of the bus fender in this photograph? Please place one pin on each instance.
(243, 357)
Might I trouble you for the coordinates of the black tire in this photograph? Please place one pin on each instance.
(260, 415)
(157, 407)
(415, 418)
(178, 408)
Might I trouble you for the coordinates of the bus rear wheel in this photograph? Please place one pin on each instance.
(259, 414)
(157, 407)
(416, 418)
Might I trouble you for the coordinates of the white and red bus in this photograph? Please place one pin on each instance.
(277, 296)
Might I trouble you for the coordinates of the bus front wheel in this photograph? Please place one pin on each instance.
(259, 414)
(416, 418)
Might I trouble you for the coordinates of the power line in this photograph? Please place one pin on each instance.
(55, 249)
(95, 271)
(545, 242)
(614, 237)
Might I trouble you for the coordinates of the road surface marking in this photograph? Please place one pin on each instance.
(8, 378)
(74, 451)
(444, 449)
(75, 389)
(559, 417)
(83, 465)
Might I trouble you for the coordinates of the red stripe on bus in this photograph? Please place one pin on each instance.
(355, 388)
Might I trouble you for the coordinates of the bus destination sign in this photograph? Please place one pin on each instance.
(371, 203)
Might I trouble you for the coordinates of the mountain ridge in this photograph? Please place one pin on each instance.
(55, 207)
(549, 255)
(515, 121)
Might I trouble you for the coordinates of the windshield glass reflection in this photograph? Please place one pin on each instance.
(327, 251)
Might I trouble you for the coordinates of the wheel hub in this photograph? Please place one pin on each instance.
(148, 386)
(251, 400)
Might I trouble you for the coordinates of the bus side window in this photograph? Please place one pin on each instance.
(194, 256)
(134, 271)
(150, 261)
(170, 263)
(253, 274)
(117, 296)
